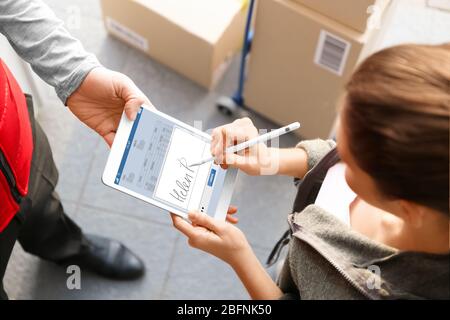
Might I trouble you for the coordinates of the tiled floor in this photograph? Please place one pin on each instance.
(174, 271)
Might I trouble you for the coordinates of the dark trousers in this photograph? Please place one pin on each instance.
(41, 225)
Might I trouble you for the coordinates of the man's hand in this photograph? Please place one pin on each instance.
(101, 99)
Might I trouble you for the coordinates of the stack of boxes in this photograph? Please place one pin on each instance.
(302, 55)
(196, 38)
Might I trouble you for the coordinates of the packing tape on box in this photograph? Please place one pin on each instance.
(244, 4)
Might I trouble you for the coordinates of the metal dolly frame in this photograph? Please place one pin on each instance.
(233, 105)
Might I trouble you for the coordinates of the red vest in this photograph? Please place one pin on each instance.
(16, 146)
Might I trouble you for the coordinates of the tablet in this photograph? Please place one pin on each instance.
(150, 160)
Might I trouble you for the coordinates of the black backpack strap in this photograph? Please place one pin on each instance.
(310, 185)
(307, 191)
(276, 251)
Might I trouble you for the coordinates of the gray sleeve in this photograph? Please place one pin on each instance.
(286, 283)
(40, 38)
(316, 150)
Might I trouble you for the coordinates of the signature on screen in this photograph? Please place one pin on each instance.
(183, 184)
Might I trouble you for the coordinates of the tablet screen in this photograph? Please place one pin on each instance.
(155, 164)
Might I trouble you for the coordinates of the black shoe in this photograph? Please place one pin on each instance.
(108, 258)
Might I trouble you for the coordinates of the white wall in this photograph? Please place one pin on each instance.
(412, 21)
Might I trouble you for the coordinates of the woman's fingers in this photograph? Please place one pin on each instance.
(232, 210)
(232, 219)
(228, 135)
(218, 143)
(240, 162)
(216, 138)
(230, 215)
(203, 220)
(221, 147)
(183, 226)
(200, 235)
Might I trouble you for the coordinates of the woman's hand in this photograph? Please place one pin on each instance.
(229, 244)
(256, 160)
(231, 218)
(216, 237)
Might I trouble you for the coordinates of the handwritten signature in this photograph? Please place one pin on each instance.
(183, 184)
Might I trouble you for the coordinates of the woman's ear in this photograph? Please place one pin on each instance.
(412, 213)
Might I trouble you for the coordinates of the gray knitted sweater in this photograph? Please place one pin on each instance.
(41, 39)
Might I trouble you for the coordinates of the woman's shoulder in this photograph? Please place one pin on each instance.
(316, 149)
(339, 260)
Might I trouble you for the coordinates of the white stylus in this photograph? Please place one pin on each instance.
(247, 144)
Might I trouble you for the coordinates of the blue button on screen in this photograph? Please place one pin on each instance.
(212, 175)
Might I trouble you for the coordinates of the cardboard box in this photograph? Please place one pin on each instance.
(352, 13)
(299, 64)
(196, 38)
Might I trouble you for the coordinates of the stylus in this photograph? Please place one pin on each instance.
(259, 139)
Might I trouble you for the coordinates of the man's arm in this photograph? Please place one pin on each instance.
(40, 38)
(96, 96)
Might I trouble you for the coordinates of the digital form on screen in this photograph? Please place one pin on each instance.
(156, 161)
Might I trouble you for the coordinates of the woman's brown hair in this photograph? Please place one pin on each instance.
(396, 115)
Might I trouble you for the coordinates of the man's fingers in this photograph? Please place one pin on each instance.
(203, 220)
(109, 138)
(147, 102)
(133, 97)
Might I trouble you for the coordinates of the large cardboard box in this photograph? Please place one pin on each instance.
(196, 38)
(352, 13)
(299, 64)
